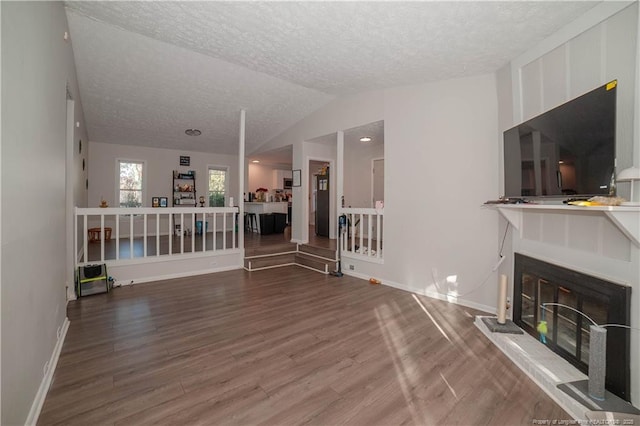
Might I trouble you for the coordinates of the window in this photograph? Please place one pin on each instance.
(217, 186)
(130, 183)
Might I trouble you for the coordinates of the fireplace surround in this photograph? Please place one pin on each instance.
(543, 291)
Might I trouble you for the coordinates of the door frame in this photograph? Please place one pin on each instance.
(332, 195)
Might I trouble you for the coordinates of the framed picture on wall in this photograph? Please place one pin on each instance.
(163, 202)
(297, 177)
(155, 202)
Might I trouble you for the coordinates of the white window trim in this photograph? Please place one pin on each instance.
(144, 179)
(226, 181)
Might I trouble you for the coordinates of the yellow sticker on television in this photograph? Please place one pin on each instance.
(612, 84)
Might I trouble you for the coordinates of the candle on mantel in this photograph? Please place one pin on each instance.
(502, 300)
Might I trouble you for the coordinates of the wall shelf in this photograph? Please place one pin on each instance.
(184, 189)
(626, 218)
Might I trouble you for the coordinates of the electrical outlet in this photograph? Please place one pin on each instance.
(352, 268)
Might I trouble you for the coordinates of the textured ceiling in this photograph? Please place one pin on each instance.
(373, 130)
(280, 158)
(149, 70)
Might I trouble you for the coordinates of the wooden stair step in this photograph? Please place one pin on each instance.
(269, 261)
(315, 263)
(271, 249)
(327, 253)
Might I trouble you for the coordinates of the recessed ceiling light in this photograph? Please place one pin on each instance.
(193, 132)
(255, 161)
(365, 139)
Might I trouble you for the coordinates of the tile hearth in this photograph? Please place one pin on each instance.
(542, 365)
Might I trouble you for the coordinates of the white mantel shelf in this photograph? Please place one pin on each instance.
(626, 218)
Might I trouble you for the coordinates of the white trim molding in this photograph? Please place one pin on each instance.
(428, 293)
(38, 401)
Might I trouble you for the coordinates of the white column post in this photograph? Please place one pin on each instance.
(635, 144)
(340, 171)
(241, 153)
(339, 180)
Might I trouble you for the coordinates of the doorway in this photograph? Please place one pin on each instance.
(319, 198)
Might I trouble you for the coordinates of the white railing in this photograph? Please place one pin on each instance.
(362, 237)
(123, 235)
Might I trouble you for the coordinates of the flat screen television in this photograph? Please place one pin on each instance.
(569, 151)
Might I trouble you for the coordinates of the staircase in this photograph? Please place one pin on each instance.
(273, 256)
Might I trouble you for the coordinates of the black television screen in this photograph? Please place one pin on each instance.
(568, 151)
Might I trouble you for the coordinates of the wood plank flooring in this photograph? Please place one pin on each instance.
(138, 245)
(252, 242)
(279, 347)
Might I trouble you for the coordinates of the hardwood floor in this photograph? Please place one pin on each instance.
(252, 241)
(282, 346)
(138, 245)
(324, 242)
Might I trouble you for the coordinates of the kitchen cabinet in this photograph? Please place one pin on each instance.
(279, 177)
(264, 208)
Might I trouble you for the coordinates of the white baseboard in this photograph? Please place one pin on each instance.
(432, 294)
(178, 275)
(71, 294)
(38, 402)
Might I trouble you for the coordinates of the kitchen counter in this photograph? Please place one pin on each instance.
(264, 208)
(258, 207)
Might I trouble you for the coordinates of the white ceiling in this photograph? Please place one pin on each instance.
(373, 130)
(281, 158)
(149, 70)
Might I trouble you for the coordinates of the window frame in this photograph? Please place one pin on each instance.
(143, 189)
(224, 169)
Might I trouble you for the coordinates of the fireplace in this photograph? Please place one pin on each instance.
(539, 289)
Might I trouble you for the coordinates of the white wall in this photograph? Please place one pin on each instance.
(260, 176)
(357, 173)
(80, 174)
(603, 52)
(158, 174)
(585, 55)
(265, 176)
(441, 164)
(37, 64)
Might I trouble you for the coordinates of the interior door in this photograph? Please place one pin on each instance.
(322, 204)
